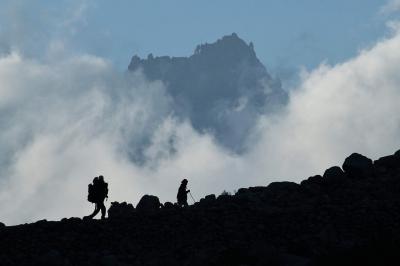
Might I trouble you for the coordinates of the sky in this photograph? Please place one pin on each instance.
(287, 34)
(69, 111)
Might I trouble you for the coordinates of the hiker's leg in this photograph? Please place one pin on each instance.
(103, 210)
(183, 203)
(96, 211)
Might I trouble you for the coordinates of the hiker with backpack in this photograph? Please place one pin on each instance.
(98, 192)
(182, 194)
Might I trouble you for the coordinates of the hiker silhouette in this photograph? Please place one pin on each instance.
(182, 194)
(98, 191)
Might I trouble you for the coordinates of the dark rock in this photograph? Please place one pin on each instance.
(357, 223)
(210, 197)
(260, 189)
(282, 187)
(223, 197)
(110, 260)
(2, 225)
(168, 205)
(148, 203)
(52, 257)
(71, 220)
(208, 200)
(357, 165)
(334, 175)
(120, 210)
(43, 221)
(397, 153)
(313, 180)
(387, 162)
(242, 191)
(293, 260)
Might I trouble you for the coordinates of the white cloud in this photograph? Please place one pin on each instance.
(337, 110)
(76, 17)
(390, 7)
(63, 123)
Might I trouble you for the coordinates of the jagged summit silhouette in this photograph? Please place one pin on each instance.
(347, 216)
(221, 88)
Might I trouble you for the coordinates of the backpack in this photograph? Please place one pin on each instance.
(91, 194)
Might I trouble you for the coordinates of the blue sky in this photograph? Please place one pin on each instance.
(287, 34)
(284, 32)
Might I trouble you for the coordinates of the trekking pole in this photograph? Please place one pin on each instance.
(194, 201)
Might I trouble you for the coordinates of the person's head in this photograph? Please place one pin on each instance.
(184, 182)
(101, 178)
(95, 179)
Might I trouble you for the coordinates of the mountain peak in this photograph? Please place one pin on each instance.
(209, 85)
(228, 43)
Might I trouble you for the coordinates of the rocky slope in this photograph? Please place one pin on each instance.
(345, 217)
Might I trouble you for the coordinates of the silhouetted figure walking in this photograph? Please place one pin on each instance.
(98, 191)
(182, 194)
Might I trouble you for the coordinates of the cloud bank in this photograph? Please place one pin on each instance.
(390, 7)
(67, 117)
(337, 110)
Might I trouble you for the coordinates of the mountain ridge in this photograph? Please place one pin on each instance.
(350, 215)
(221, 88)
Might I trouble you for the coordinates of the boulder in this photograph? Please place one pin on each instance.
(388, 162)
(312, 180)
(224, 197)
(258, 189)
(207, 200)
(242, 191)
(334, 175)
(313, 185)
(210, 197)
(281, 193)
(148, 203)
(120, 210)
(278, 188)
(357, 165)
(168, 205)
(71, 220)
